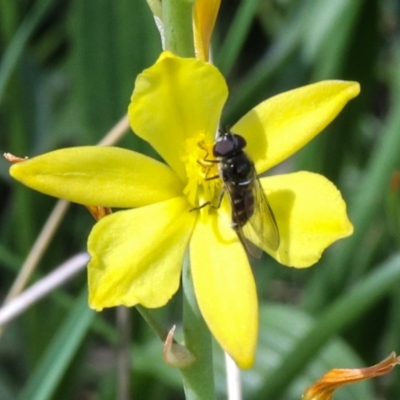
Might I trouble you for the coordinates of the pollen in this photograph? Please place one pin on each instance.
(203, 183)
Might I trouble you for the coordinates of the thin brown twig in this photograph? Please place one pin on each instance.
(116, 133)
(38, 249)
(43, 287)
(123, 352)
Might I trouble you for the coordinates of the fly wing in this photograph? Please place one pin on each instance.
(251, 248)
(261, 229)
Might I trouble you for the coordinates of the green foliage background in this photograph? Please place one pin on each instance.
(67, 70)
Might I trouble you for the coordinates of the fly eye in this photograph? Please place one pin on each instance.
(223, 148)
(228, 145)
(240, 142)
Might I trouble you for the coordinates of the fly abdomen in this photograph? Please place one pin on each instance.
(242, 199)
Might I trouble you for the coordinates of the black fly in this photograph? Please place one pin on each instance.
(252, 216)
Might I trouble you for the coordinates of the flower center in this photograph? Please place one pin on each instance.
(201, 168)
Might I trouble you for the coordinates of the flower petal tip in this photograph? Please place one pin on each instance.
(246, 362)
(354, 88)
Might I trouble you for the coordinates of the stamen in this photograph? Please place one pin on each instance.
(199, 164)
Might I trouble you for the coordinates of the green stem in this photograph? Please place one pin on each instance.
(178, 28)
(198, 380)
(155, 7)
(154, 324)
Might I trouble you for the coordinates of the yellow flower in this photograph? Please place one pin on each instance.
(137, 254)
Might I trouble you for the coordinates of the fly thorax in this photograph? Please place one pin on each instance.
(237, 168)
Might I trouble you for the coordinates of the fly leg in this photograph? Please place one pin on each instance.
(209, 178)
(208, 203)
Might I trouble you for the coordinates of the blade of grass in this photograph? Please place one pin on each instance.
(240, 26)
(251, 89)
(8, 19)
(19, 41)
(44, 380)
(333, 22)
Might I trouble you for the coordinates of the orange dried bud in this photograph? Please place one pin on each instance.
(99, 212)
(13, 159)
(395, 181)
(323, 389)
(176, 355)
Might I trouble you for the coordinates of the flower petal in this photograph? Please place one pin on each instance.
(281, 125)
(310, 214)
(225, 289)
(204, 16)
(104, 176)
(173, 100)
(137, 255)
